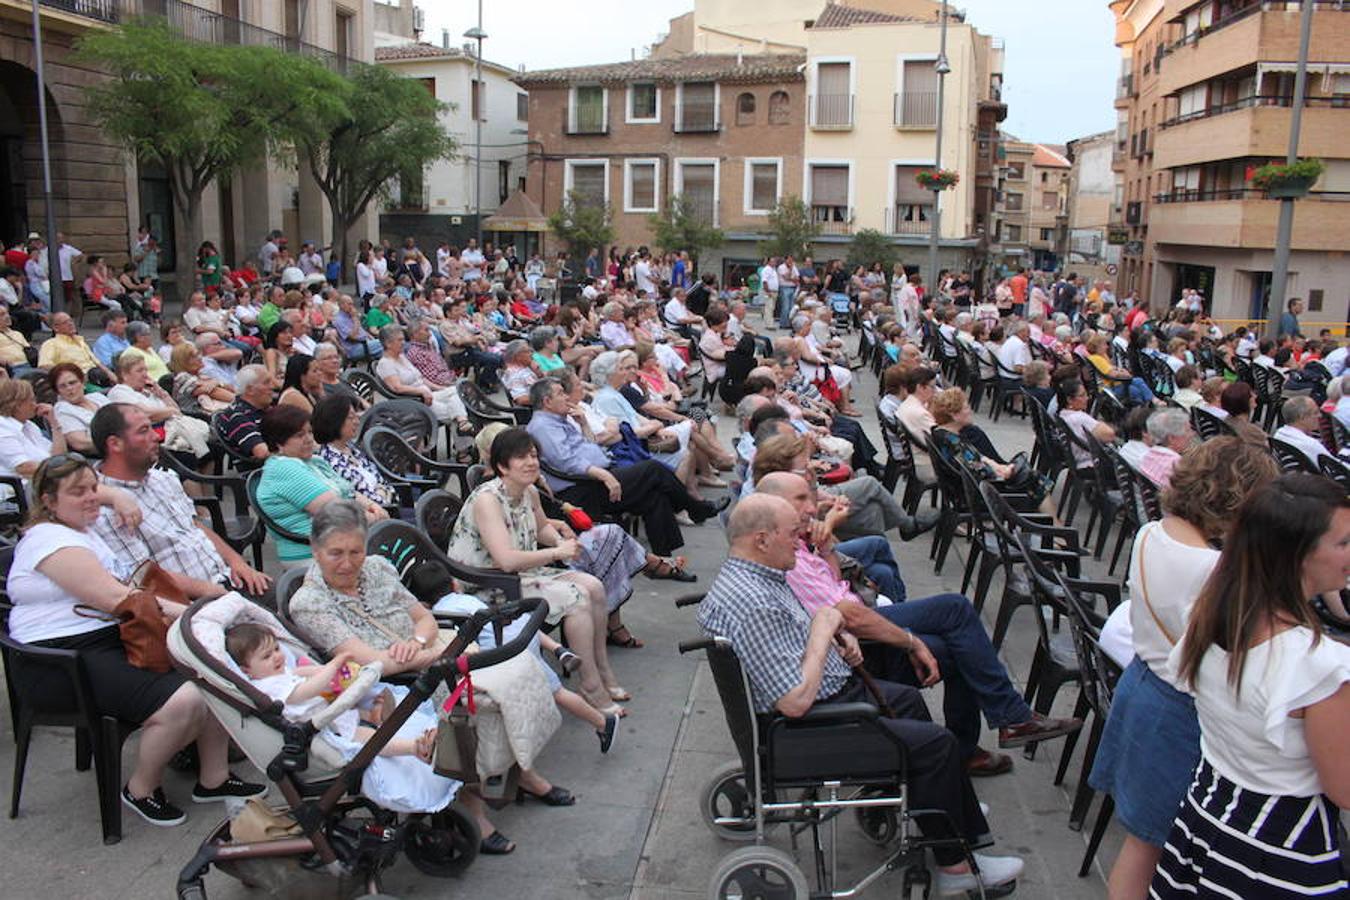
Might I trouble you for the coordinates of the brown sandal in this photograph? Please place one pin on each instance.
(629, 642)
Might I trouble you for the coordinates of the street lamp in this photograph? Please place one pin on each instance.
(942, 67)
(479, 100)
(54, 287)
(1284, 232)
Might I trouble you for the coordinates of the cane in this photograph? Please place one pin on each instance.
(871, 684)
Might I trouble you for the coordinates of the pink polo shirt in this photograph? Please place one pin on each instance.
(814, 583)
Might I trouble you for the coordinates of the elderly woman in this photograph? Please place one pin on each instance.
(1151, 745)
(354, 603)
(302, 386)
(519, 372)
(60, 565)
(335, 423)
(817, 362)
(192, 390)
(503, 526)
(185, 435)
(544, 342)
(295, 484)
(74, 408)
(328, 366)
(142, 345)
(22, 444)
(402, 377)
(614, 329)
(952, 413)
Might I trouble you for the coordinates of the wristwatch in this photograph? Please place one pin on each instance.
(421, 640)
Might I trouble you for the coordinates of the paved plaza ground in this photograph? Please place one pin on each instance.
(635, 831)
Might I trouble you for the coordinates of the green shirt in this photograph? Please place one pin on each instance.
(287, 486)
(378, 318)
(212, 278)
(268, 316)
(549, 363)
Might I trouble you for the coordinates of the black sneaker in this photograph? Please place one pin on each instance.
(155, 809)
(232, 786)
(610, 732)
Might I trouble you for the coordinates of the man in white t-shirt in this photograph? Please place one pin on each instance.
(472, 259)
(267, 252)
(1302, 421)
(443, 259)
(768, 286)
(1014, 354)
(67, 256)
(642, 276)
(788, 281)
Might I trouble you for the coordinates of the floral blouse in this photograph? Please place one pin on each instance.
(466, 543)
(357, 468)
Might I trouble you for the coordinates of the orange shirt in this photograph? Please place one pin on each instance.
(1018, 283)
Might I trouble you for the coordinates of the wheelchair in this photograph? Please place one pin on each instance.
(805, 773)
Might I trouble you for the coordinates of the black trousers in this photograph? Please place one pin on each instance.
(650, 490)
(937, 774)
(863, 452)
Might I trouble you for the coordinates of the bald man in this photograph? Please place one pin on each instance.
(794, 661)
(945, 626)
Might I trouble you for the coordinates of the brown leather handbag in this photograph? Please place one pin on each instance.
(142, 627)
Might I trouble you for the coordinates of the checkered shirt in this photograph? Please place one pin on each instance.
(168, 533)
(752, 606)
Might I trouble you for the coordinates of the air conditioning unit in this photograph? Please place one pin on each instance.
(456, 220)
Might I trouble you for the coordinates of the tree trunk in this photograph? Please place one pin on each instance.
(340, 229)
(188, 205)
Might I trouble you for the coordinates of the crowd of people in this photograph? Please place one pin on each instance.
(619, 369)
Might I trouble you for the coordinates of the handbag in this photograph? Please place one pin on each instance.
(456, 754)
(629, 449)
(1022, 475)
(142, 628)
(828, 387)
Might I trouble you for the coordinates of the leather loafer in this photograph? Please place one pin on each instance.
(709, 509)
(983, 764)
(1037, 728)
(913, 526)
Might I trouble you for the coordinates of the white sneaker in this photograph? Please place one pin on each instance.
(994, 871)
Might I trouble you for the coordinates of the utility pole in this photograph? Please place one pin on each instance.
(54, 285)
(943, 67)
(480, 101)
(1284, 234)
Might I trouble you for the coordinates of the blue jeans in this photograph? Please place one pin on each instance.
(874, 555)
(487, 363)
(974, 680)
(786, 295)
(1135, 391)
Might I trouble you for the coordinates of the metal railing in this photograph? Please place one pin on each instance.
(916, 109)
(830, 110)
(1191, 195)
(1125, 87)
(1245, 13)
(911, 218)
(701, 207)
(1283, 102)
(832, 219)
(584, 120)
(103, 10)
(698, 116)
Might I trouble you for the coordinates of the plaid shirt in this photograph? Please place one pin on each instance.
(168, 533)
(427, 360)
(752, 606)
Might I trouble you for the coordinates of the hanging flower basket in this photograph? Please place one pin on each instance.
(937, 179)
(1287, 180)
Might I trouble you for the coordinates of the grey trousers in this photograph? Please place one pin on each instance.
(874, 510)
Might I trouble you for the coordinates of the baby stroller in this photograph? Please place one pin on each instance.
(842, 308)
(336, 833)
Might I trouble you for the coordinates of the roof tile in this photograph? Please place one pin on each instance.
(724, 67)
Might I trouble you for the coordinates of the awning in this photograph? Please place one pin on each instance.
(1328, 71)
(518, 214)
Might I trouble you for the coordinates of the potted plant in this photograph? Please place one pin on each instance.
(1287, 180)
(937, 179)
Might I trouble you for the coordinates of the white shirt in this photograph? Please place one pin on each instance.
(74, 418)
(1013, 354)
(676, 311)
(365, 279)
(1335, 361)
(42, 609)
(66, 255)
(1171, 578)
(443, 262)
(787, 275)
(768, 279)
(473, 263)
(1306, 444)
(120, 393)
(380, 266)
(1250, 738)
(8, 295)
(311, 263)
(404, 371)
(642, 277)
(1132, 452)
(21, 442)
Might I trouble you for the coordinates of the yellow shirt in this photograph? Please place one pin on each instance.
(11, 348)
(62, 348)
(154, 363)
(1101, 363)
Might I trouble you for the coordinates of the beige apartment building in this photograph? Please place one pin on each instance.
(1092, 206)
(1205, 98)
(101, 193)
(1048, 199)
(1013, 207)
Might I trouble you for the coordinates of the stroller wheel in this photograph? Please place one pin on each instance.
(442, 844)
(726, 797)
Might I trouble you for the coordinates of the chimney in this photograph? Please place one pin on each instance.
(445, 38)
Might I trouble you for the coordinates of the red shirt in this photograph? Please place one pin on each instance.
(1018, 283)
(16, 259)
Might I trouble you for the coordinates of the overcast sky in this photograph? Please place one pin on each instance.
(1059, 74)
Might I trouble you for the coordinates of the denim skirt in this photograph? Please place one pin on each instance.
(1148, 753)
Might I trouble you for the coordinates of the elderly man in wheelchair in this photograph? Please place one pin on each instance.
(817, 738)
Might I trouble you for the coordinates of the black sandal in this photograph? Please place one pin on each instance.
(496, 844)
(554, 796)
(668, 570)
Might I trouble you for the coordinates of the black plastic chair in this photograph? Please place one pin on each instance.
(1208, 425)
(1108, 500)
(242, 530)
(368, 386)
(1055, 662)
(1134, 513)
(408, 471)
(411, 419)
(277, 530)
(426, 571)
(483, 410)
(1290, 458)
(239, 461)
(1336, 470)
(435, 514)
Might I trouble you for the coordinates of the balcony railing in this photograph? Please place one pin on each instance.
(911, 218)
(830, 110)
(916, 109)
(585, 120)
(1125, 87)
(698, 117)
(1342, 102)
(832, 219)
(1188, 195)
(1246, 12)
(203, 25)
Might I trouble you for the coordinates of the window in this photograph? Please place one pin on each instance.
(589, 179)
(411, 186)
(916, 101)
(477, 96)
(828, 185)
(503, 180)
(1315, 300)
(696, 106)
(1017, 170)
(763, 185)
(429, 84)
(1012, 202)
(696, 182)
(745, 109)
(1047, 234)
(522, 107)
(1012, 233)
(1050, 200)
(589, 110)
(1045, 176)
(644, 103)
(342, 34)
(913, 202)
(832, 105)
(779, 114)
(639, 185)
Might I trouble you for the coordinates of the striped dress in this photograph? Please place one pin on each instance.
(1254, 822)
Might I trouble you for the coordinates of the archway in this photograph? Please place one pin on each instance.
(21, 209)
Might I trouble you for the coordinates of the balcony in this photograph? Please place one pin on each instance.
(1242, 217)
(584, 120)
(1266, 31)
(1125, 91)
(830, 112)
(832, 219)
(916, 109)
(696, 118)
(1253, 127)
(109, 11)
(910, 218)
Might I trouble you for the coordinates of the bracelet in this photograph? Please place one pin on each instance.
(424, 641)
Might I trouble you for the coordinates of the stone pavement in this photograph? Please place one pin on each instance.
(635, 831)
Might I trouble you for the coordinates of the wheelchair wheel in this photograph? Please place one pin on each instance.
(725, 796)
(442, 844)
(877, 823)
(758, 873)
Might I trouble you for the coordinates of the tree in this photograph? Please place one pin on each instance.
(791, 229)
(199, 110)
(376, 127)
(871, 246)
(582, 224)
(683, 226)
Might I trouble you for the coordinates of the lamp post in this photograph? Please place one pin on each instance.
(942, 66)
(480, 101)
(54, 286)
(1285, 231)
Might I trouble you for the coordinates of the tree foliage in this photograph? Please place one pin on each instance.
(791, 229)
(582, 225)
(871, 246)
(682, 226)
